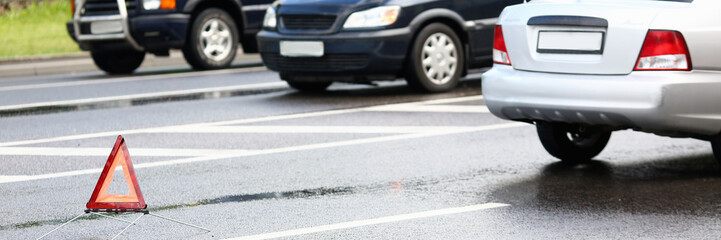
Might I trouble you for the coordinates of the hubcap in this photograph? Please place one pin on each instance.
(439, 58)
(216, 40)
(583, 137)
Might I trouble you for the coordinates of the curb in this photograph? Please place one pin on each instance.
(42, 58)
(148, 98)
(82, 62)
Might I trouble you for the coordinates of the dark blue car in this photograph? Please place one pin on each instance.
(429, 42)
(118, 33)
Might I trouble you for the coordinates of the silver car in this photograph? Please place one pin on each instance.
(580, 69)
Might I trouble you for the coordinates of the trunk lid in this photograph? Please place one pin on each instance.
(580, 37)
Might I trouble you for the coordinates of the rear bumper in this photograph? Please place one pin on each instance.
(153, 32)
(350, 56)
(667, 103)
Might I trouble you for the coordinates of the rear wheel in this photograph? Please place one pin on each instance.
(571, 143)
(436, 60)
(309, 86)
(118, 62)
(213, 40)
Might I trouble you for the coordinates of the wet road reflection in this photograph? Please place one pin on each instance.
(686, 185)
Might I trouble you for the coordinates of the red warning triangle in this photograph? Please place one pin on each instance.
(101, 199)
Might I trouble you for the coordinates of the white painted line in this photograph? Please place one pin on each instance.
(164, 129)
(374, 221)
(77, 137)
(23, 178)
(451, 100)
(130, 79)
(433, 108)
(229, 122)
(310, 129)
(143, 95)
(93, 152)
(343, 111)
(9, 179)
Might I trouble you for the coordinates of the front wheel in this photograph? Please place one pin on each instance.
(118, 62)
(436, 59)
(571, 143)
(213, 40)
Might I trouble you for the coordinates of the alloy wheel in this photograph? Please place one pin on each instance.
(216, 39)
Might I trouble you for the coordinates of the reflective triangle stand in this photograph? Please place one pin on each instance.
(144, 212)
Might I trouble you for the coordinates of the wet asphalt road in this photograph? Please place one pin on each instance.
(238, 152)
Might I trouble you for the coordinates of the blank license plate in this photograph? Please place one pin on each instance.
(570, 42)
(301, 48)
(106, 27)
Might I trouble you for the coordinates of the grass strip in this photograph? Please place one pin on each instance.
(38, 29)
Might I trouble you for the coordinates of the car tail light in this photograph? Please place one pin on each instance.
(72, 7)
(664, 50)
(500, 54)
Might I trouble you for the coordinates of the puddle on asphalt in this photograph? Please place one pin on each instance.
(685, 185)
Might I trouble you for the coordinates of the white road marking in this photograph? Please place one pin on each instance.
(374, 221)
(20, 178)
(93, 152)
(309, 129)
(229, 122)
(342, 111)
(143, 95)
(433, 108)
(130, 79)
(23, 178)
(244, 153)
(448, 100)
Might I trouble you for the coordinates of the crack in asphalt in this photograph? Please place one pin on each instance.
(405, 185)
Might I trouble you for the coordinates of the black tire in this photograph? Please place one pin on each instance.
(716, 146)
(426, 77)
(221, 40)
(118, 62)
(572, 144)
(309, 86)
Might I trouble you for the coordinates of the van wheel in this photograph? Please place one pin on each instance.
(213, 40)
(118, 62)
(571, 143)
(309, 86)
(436, 60)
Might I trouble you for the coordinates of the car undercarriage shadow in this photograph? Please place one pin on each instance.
(687, 185)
